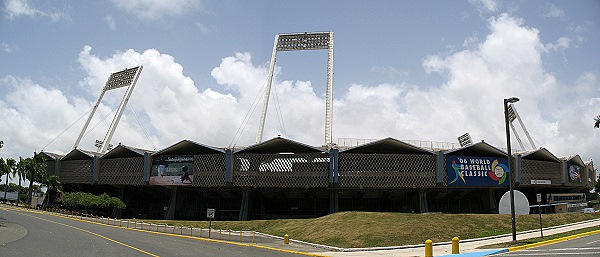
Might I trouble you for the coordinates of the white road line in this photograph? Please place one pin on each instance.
(593, 242)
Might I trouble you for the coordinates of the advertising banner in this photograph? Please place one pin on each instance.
(172, 170)
(477, 171)
(574, 174)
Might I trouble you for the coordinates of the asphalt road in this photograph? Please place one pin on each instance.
(31, 233)
(587, 246)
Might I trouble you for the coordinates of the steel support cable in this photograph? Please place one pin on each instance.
(98, 123)
(279, 113)
(72, 124)
(240, 130)
(137, 118)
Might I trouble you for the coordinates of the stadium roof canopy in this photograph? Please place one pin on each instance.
(51, 156)
(387, 146)
(187, 147)
(573, 159)
(280, 145)
(482, 149)
(541, 154)
(123, 151)
(78, 154)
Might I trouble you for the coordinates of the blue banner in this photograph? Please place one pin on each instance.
(477, 171)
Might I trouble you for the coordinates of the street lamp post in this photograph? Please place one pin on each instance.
(510, 169)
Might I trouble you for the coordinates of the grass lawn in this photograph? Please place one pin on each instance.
(370, 229)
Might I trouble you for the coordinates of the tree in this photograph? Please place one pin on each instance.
(35, 169)
(20, 170)
(597, 186)
(4, 170)
(597, 120)
(9, 168)
(89, 202)
(53, 185)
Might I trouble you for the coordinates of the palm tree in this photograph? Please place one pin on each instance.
(10, 167)
(53, 185)
(4, 170)
(36, 169)
(597, 124)
(20, 170)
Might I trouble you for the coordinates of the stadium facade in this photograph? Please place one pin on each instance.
(282, 178)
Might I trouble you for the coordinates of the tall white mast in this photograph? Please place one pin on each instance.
(295, 42)
(126, 78)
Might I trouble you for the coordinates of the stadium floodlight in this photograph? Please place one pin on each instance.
(514, 115)
(465, 140)
(295, 42)
(126, 78)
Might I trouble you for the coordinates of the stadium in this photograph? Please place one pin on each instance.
(284, 178)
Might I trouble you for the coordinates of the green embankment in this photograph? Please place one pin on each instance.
(368, 229)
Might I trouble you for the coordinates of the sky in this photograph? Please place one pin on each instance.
(410, 70)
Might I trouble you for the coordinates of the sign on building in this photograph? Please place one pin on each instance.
(169, 170)
(477, 171)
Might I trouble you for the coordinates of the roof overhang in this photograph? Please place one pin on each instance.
(123, 151)
(188, 147)
(482, 149)
(280, 145)
(541, 154)
(78, 154)
(387, 146)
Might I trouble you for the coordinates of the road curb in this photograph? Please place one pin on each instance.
(552, 241)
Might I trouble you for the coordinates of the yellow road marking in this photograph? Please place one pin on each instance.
(86, 231)
(552, 241)
(189, 237)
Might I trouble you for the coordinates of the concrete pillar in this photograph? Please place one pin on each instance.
(245, 204)
(228, 166)
(118, 212)
(172, 204)
(423, 201)
(334, 181)
(492, 198)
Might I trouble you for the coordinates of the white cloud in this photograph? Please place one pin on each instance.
(485, 5)
(157, 9)
(202, 27)
(552, 11)
(391, 73)
(110, 21)
(6, 48)
(508, 62)
(561, 44)
(16, 8)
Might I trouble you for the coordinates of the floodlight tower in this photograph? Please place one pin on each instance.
(302, 41)
(126, 78)
(512, 115)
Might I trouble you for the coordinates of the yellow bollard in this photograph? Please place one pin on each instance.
(428, 248)
(286, 239)
(455, 249)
